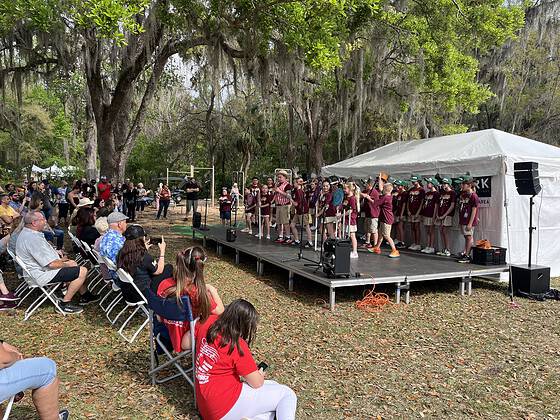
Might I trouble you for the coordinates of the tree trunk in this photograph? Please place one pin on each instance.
(290, 156)
(90, 137)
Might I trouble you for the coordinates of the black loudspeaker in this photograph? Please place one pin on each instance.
(336, 257)
(527, 178)
(530, 280)
(196, 220)
(231, 234)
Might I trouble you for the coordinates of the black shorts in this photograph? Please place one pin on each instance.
(66, 275)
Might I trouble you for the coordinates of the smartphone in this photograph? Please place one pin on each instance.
(155, 241)
(263, 366)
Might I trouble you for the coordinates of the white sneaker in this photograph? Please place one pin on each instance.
(267, 236)
(445, 253)
(430, 250)
(353, 255)
(244, 230)
(426, 250)
(412, 247)
(250, 232)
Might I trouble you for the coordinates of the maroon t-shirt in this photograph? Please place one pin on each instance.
(385, 203)
(467, 202)
(302, 206)
(225, 202)
(430, 200)
(326, 200)
(400, 202)
(371, 208)
(250, 200)
(415, 199)
(266, 199)
(352, 205)
(446, 199)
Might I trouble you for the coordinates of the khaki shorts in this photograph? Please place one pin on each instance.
(370, 224)
(352, 228)
(330, 219)
(283, 215)
(467, 232)
(301, 219)
(447, 221)
(414, 219)
(385, 229)
(428, 221)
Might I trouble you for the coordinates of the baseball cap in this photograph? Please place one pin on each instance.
(415, 178)
(116, 217)
(134, 232)
(432, 181)
(445, 180)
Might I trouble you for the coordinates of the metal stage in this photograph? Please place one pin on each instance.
(372, 268)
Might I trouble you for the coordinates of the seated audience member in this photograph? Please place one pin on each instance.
(17, 202)
(107, 209)
(46, 266)
(188, 279)
(102, 227)
(52, 234)
(223, 356)
(113, 240)
(83, 202)
(85, 229)
(7, 213)
(18, 374)
(135, 259)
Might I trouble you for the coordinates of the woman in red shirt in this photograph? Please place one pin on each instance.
(351, 204)
(223, 356)
(188, 279)
(327, 211)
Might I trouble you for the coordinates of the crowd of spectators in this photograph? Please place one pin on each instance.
(33, 220)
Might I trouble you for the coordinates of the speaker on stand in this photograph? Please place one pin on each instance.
(336, 257)
(529, 278)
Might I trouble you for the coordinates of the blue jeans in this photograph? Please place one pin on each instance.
(58, 234)
(33, 373)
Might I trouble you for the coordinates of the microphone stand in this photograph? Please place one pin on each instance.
(205, 227)
(319, 264)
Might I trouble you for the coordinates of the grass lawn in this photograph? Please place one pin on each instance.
(442, 356)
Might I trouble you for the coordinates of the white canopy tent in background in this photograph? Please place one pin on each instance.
(488, 155)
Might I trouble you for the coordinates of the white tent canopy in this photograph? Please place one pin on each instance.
(488, 154)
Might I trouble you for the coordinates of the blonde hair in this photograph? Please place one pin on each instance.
(387, 188)
(355, 192)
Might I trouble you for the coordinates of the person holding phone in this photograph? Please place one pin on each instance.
(223, 356)
(135, 259)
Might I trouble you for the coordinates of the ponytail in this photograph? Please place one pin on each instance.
(189, 270)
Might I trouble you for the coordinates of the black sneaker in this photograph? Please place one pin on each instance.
(63, 415)
(70, 308)
(465, 259)
(88, 298)
(296, 243)
(308, 245)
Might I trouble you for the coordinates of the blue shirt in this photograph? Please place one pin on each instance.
(14, 205)
(111, 244)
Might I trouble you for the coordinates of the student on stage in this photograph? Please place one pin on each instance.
(469, 204)
(225, 206)
(351, 205)
(399, 211)
(250, 204)
(429, 211)
(414, 207)
(386, 219)
(282, 199)
(371, 210)
(445, 212)
(266, 200)
(301, 216)
(327, 212)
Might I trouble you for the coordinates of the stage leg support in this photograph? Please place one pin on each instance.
(219, 249)
(203, 241)
(261, 269)
(465, 285)
(402, 287)
(236, 256)
(332, 297)
(291, 281)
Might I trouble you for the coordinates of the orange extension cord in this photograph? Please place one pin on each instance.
(373, 302)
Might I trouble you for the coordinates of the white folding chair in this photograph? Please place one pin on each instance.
(139, 303)
(106, 282)
(8, 408)
(94, 274)
(22, 287)
(118, 297)
(78, 257)
(47, 291)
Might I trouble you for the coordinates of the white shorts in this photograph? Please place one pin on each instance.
(467, 232)
(428, 221)
(414, 219)
(352, 228)
(447, 221)
(370, 224)
(330, 219)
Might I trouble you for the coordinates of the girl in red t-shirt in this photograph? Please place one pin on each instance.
(188, 279)
(222, 357)
(266, 199)
(351, 204)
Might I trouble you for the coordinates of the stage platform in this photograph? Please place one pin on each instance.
(368, 269)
